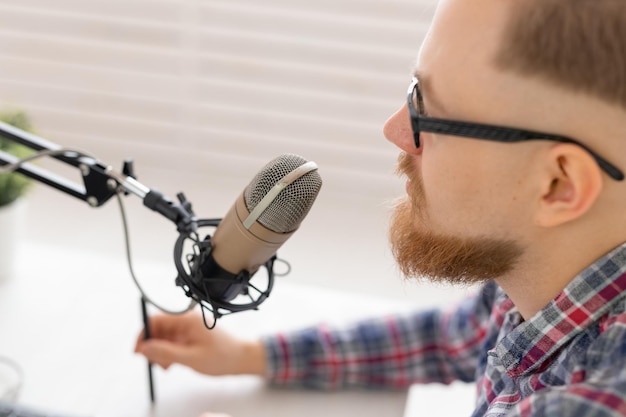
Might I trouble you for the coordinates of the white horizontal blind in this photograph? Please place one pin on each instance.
(212, 87)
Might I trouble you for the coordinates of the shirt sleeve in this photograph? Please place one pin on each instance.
(390, 352)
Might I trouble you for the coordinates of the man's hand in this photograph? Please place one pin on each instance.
(185, 340)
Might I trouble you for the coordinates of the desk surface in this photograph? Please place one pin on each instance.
(70, 317)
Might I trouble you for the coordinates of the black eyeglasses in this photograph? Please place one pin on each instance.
(422, 123)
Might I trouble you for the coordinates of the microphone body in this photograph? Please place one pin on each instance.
(237, 253)
(237, 248)
(263, 217)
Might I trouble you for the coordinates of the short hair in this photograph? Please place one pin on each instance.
(579, 45)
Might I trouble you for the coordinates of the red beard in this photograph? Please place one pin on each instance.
(422, 253)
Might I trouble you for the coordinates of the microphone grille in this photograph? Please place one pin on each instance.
(293, 203)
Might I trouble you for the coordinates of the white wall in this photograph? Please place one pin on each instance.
(202, 94)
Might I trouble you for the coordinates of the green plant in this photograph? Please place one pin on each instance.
(14, 185)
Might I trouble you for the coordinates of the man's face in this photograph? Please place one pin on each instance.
(466, 204)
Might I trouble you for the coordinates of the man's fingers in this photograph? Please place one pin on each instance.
(160, 352)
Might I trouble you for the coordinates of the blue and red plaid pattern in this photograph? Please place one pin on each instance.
(567, 360)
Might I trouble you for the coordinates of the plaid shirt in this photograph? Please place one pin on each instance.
(567, 360)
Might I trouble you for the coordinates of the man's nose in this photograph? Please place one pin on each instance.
(398, 130)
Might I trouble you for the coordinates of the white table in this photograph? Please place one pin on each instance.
(70, 318)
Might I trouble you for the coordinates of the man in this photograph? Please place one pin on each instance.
(514, 147)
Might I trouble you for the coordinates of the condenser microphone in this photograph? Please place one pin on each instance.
(263, 217)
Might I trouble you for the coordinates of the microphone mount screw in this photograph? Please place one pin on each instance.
(84, 169)
(92, 201)
(112, 184)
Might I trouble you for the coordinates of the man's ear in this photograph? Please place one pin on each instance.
(572, 181)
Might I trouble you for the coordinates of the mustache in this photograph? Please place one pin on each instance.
(405, 166)
(416, 191)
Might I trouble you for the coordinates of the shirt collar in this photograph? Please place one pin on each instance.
(585, 300)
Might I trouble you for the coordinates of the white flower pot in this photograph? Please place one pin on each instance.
(10, 221)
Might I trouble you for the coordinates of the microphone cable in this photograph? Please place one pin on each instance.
(70, 153)
(129, 261)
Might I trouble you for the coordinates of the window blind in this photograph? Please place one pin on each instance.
(213, 87)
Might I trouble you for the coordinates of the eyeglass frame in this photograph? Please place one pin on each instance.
(421, 123)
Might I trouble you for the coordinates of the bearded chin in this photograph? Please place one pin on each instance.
(424, 254)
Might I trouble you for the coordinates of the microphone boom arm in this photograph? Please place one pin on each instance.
(100, 182)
